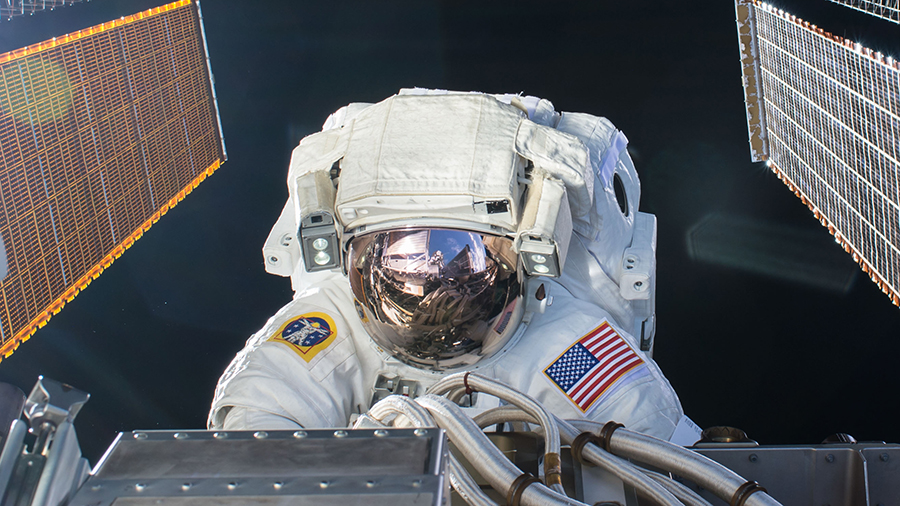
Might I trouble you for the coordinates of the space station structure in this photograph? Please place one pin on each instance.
(884, 9)
(102, 131)
(823, 113)
(12, 8)
(399, 454)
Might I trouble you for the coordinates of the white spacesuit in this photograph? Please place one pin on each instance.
(439, 232)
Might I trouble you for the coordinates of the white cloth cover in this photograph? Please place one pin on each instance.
(272, 384)
(457, 144)
(611, 230)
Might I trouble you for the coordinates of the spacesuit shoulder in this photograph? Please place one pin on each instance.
(299, 366)
(588, 366)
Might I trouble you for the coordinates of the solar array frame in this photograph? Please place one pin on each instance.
(102, 131)
(884, 9)
(828, 124)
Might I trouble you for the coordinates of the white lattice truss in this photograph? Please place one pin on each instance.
(10, 8)
(884, 9)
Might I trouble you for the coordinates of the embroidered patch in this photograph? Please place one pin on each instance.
(307, 334)
(593, 364)
(360, 311)
(503, 321)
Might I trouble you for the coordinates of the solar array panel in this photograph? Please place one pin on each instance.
(824, 113)
(885, 9)
(102, 131)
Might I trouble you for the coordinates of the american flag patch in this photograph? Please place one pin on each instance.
(592, 365)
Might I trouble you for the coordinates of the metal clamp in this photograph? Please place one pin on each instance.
(578, 444)
(514, 495)
(606, 433)
(744, 492)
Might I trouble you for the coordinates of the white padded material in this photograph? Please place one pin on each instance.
(432, 145)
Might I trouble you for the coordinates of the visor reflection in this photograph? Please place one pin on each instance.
(431, 294)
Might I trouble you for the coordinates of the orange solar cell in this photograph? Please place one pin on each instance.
(102, 131)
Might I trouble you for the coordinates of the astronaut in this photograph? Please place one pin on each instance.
(437, 232)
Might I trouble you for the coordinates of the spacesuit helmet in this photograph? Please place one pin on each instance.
(440, 209)
(435, 297)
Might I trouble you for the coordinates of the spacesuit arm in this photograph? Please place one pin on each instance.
(298, 370)
(240, 418)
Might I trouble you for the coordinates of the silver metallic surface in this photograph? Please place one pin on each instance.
(278, 469)
(53, 469)
(386, 385)
(64, 470)
(433, 295)
(53, 402)
(13, 445)
(855, 473)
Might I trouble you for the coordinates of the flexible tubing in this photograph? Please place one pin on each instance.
(492, 387)
(480, 383)
(707, 473)
(684, 494)
(418, 416)
(465, 485)
(456, 394)
(484, 456)
(622, 469)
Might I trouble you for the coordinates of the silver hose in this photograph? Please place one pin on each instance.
(622, 469)
(484, 456)
(418, 416)
(398, 404)
(456, 394)
(707, 473)
(465, 486)
(684, 494)
(454, 382)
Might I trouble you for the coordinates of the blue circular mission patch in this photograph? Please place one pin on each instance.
(306, 331)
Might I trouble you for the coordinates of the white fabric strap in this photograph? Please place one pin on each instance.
(608, 165)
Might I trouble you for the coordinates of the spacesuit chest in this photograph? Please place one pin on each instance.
(572, 358)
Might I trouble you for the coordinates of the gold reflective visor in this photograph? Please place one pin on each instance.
(432, 295)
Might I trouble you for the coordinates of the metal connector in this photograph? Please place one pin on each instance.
(53, 402)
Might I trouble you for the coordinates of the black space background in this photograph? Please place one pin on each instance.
(786, 362)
